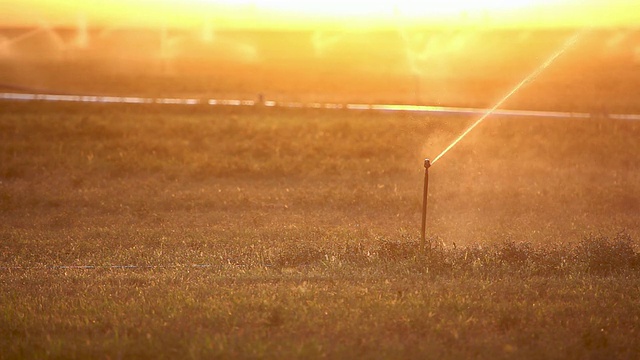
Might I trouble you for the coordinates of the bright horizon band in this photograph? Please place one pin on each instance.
(295, 15)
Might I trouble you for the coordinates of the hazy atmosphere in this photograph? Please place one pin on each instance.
(246, 179)
(314, 14)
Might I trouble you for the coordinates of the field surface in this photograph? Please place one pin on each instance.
(158, 231)
(200, 232)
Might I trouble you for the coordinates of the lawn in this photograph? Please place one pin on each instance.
(153, 231)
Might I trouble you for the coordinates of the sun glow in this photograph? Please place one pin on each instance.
(283, 14)
(383, 9)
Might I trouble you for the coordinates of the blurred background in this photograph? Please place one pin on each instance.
(456, 53)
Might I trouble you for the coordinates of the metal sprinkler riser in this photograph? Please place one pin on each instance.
(427, 165)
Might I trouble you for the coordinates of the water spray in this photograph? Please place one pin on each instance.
(566, 46)
(427, 164)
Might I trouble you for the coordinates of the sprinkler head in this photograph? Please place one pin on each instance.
(427, 163)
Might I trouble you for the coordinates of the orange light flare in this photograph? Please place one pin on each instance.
(322, 15)
(388, 49)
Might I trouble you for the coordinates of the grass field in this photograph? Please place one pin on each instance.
(308, 222)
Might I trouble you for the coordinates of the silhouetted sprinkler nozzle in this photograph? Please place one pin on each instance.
(427, 165)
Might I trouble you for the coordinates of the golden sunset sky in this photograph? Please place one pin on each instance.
(288, 14)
